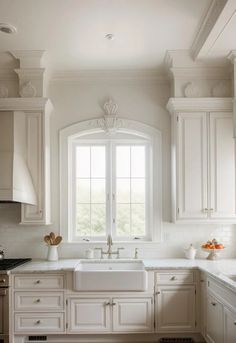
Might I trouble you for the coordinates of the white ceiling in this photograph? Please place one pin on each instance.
(72, 31)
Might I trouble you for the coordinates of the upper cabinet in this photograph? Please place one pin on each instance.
(203, 160)
(36, 114)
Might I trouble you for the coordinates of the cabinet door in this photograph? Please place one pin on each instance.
(89, 315)
(214, 329)
(192, 166)
(222, 166)
(175, 308)
(132, 314)
(229, 326)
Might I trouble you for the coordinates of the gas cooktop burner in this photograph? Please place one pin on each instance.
(10, 263)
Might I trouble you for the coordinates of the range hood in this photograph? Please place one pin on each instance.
(16, 183)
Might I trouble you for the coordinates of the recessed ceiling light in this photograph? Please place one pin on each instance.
(7, 28)
(109, 36)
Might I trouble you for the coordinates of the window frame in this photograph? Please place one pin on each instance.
(79, 131)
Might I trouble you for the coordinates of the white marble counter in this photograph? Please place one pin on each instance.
(218, 269)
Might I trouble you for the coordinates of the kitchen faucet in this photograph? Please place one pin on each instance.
(109, 251)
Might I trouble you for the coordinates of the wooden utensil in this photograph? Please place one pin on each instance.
(57, 240)
(52, 237)
(47, 239)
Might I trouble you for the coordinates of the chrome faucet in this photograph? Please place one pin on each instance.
(109, 251)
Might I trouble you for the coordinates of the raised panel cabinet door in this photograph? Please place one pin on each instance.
(192, 166)
(175, 308)
(222, 166)
(89, 315)
(214, 327)
(229, 326)
(132, 314)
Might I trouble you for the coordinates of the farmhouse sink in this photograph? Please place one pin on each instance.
(107, 275)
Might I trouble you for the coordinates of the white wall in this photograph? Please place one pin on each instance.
(143, 100)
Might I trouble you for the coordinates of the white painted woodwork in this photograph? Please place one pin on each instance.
(40, 323)
(229, 326)
(175, 308)
(39, 281)
(38, 301)
(176, 277)
(132, 315)
(203, 297)
(89, 315)
(214, 327)
(222, 166)
(192, 166)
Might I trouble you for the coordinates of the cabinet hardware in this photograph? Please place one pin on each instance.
(212, 209)
(113, 304)
(37, 282)
(213, 304)
(38, 322)
(235, 322)
(205, 210)
(174, 278)
(158, 292)
(38, 301)
(202, 280)
(107, 304)
(66, 301)
(2, 280)
(67, 325)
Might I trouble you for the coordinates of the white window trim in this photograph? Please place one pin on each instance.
(79, 130)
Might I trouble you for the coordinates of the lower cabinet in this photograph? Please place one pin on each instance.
(175, 308)
(229, 326)
(110, 315)
(215, 325)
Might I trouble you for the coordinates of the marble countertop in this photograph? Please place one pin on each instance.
(218, 269)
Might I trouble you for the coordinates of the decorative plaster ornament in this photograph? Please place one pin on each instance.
(28, 90)
(110, 122)
(220, 90)
(191, 91)
(3, 91)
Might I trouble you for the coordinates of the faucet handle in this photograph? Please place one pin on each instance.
(118, 251)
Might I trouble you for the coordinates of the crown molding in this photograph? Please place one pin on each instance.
(7, 75)
(23, 104)
(86, 75)
(30, 72)
(201, 73)
(176, 105)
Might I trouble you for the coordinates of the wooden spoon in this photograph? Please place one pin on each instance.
(52, 238)
(47, 239)
(57, 240)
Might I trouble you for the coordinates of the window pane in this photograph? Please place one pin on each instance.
(83, 191)
(138, 220)
(137, 161)
(123, 220)
(98, 162)
(138, 191)
(83, 220)
(123, 161)
(98, 194)
(98, 220)
(123, 190)
(83, 161)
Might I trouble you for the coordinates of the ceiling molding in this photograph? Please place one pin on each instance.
(29, 58)
(218, 17)
(23, 104)
(176, 105)
(86, 75)
(7, 75)
(201, 73)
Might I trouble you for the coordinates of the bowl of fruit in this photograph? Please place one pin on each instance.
(212, 247)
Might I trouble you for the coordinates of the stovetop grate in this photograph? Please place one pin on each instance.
(10, 263)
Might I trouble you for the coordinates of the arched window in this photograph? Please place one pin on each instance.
(110, 181)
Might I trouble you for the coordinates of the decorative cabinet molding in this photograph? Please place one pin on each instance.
(203, 160)
(37, 111)
(215, 328)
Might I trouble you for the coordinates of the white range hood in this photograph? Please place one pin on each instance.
(16, 183)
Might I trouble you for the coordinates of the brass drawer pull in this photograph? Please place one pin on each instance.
(37, 282)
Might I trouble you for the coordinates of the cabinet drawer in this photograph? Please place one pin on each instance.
(39, 301)
(185, 277)
(39, 281)
(39, 322)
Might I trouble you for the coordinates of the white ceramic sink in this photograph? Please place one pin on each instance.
(108, 275)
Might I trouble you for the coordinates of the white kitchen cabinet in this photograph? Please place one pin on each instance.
(105, 314)
(203, 160)
(229, 326)
(89, 315)
(175, 308)
(214, 314)
(132, 314)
